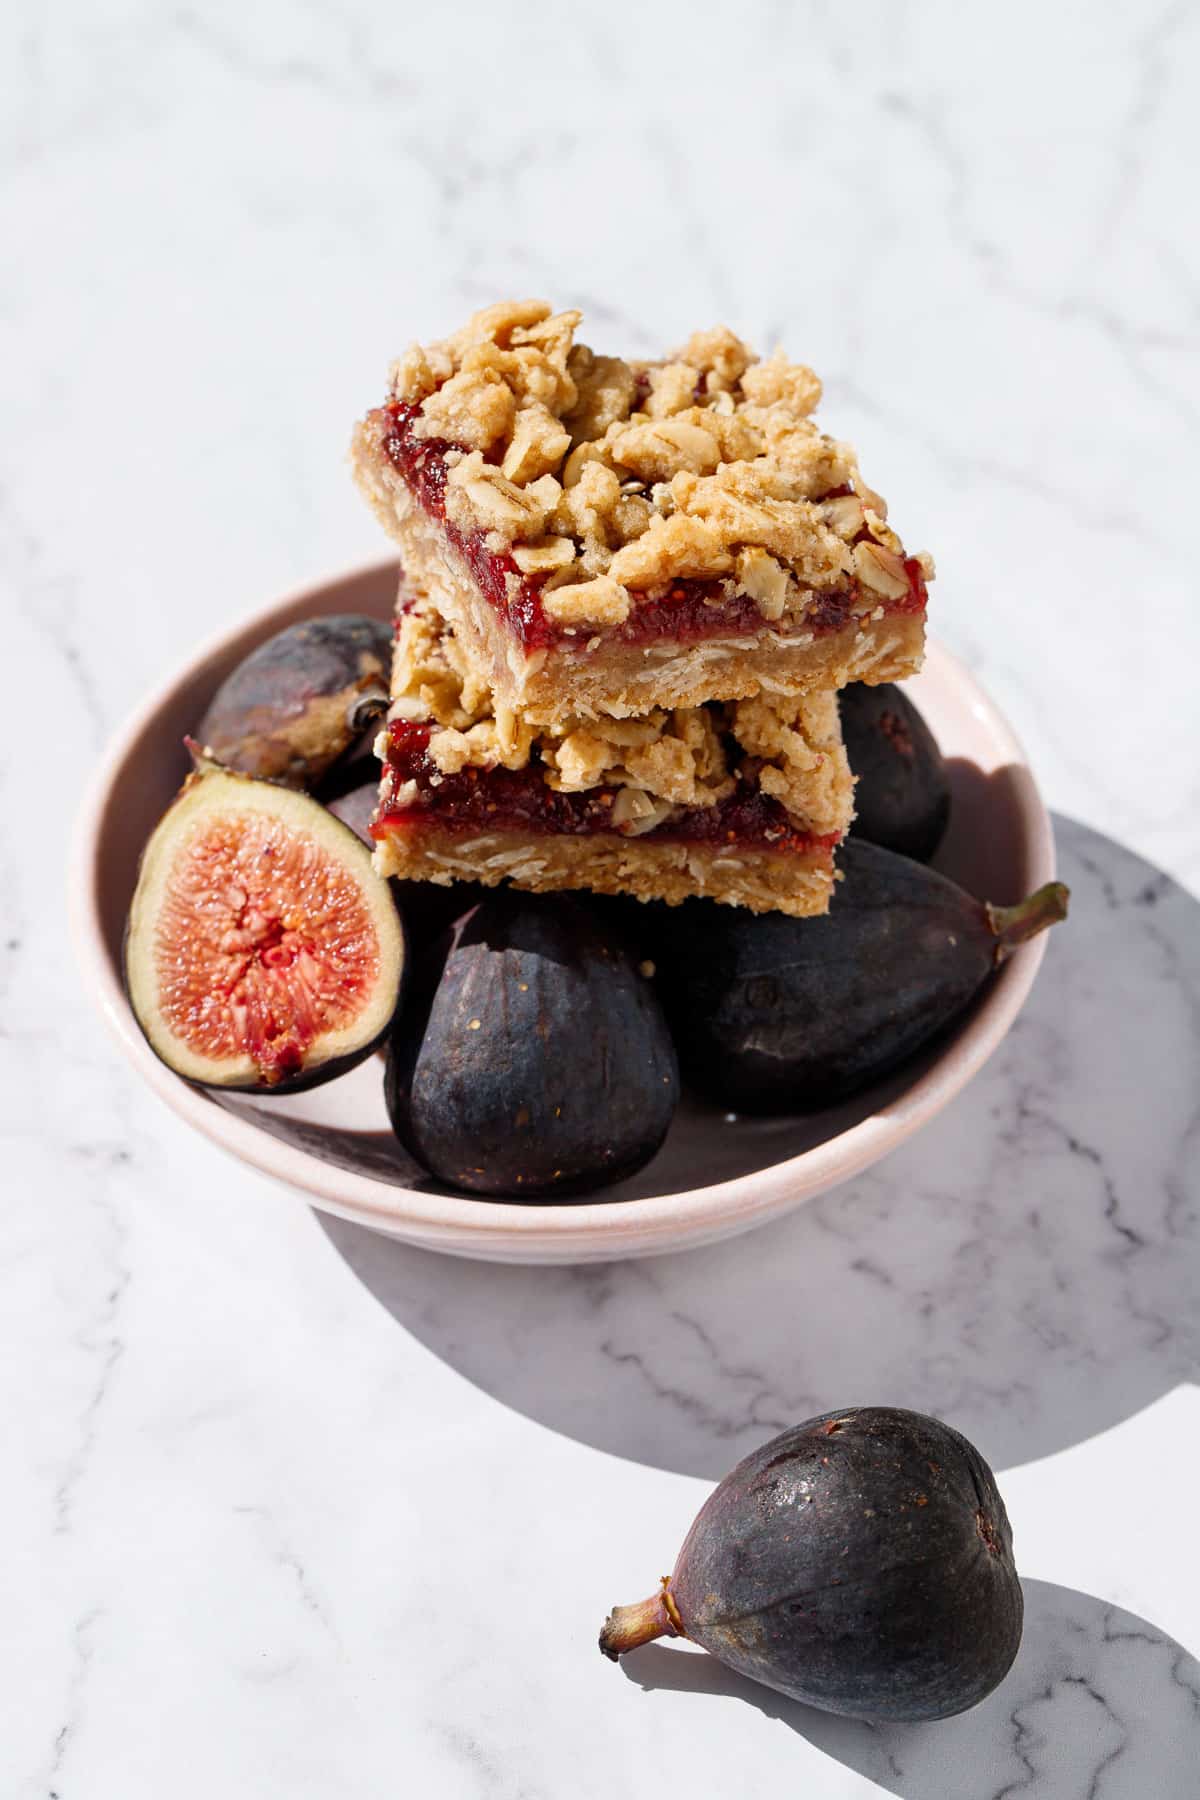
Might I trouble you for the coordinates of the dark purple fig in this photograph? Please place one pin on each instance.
(533, 1059)
(262, 950)
(356, 809)
(902, 794)
(773, 1014)
(861, 1562)
(301, 700)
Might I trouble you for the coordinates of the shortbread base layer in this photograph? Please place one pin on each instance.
(762, 881)
(592, 677)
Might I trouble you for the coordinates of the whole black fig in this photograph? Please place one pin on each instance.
(533, 1059)
(773, 1014)
(301, 700)
(861, 1562)
(902, 793)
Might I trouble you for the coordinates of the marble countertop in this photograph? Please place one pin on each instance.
(293, 1511)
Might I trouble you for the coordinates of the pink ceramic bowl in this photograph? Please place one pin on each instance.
(715, 1175)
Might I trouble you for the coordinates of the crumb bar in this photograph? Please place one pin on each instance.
(608, 537)
(742, 801)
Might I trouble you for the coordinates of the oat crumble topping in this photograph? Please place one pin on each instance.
(683, 758)
(612, 478)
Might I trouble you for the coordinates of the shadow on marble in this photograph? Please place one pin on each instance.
(1098, 1701)
(989, 864)
(1027, 1267)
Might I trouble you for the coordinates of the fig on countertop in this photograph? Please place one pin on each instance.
(262, 951)
(901, 794)
(534, 1060)
(773, 1014)
(861, 1562)
(301, 700)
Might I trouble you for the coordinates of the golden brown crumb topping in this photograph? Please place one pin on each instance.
(613, 478)
(686, 757)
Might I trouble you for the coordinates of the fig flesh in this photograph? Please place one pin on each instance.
(262, 950)
(301, 700)
(902, 793)
(774, 1014)
(861, 1562)
(534, 1060)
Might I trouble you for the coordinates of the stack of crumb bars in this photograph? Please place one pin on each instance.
(630, 593)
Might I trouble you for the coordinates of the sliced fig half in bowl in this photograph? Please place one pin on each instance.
(262, 950)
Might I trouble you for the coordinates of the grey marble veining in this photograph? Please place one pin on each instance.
(1067, 1721)
(293, 1511)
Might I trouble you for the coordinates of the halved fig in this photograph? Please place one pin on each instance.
(262, 950)
(301, 700)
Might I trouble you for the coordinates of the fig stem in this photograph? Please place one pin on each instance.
(628, 1626)
(203, 760)
(369, 704)
(1013, 925)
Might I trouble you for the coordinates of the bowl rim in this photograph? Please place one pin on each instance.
(520, 1231)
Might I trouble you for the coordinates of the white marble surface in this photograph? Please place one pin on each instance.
(289, 1511)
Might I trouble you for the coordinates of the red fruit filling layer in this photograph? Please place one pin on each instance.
(521, 800)
(686, 610)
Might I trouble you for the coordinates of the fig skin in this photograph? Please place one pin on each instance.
(302, 700)
(533, 1060)
(902, 792)
(776, 1015)
(356, 809)
(219, 794)
(431, 911)
(861, 1562)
